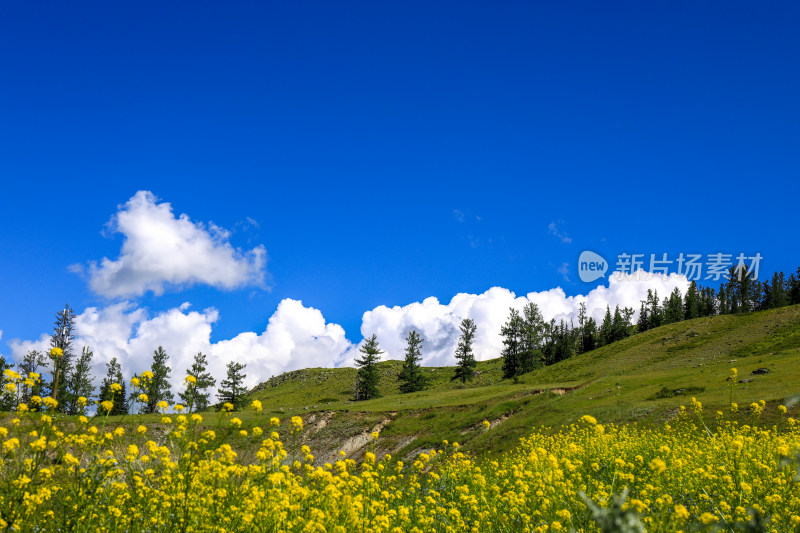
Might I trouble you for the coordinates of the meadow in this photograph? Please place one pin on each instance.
(654, 433)
(210, 472)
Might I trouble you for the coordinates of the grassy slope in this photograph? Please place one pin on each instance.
(614, 383)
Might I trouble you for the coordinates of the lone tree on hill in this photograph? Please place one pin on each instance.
(465, 368)
(410, 377)
(232, 389)
(367, 376)
(158, 389)
(196, 398)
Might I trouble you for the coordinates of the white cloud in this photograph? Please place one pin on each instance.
(160, 250)
(299, 337)
(295, 337)
(20, 347)
(438, 323)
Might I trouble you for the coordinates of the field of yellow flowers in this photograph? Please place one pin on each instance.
(184, 475)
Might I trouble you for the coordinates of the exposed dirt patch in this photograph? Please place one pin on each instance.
(319, 423)
(355, 446)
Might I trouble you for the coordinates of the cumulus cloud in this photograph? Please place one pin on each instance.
(438, 323)
(297, 336)
(161, 250)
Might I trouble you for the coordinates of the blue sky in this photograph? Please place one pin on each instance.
(383, 153)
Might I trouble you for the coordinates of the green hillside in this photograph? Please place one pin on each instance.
(645, 377)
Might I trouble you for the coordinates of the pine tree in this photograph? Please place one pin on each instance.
(723, 302)
(31, 363)
(589, 335)
(794, 288)
(119, 399)
(158, 389)
(466, 364)
(367, 376)
(513, 344)
(673, 309)
(411, 377)
(550, 342)
(196, 398)
(708, 302)
(79, 383)
(232, 389)
(620, 324)
(607, 328)
(643, 324)
(691, 302)
(779, 296)
(532, 333)
(581, 325)
(655, 315)
(62, 363)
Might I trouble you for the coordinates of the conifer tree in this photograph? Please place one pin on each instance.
(79, 384)
(673, 311)
(411, 377)
(620, 324)
(607, 328)
(643, 324)
(367, 376)
(513, 344)
(691, 302)
(158, 388)
(62, 361)
(196, 398)
(589, 335)
(794, 288)
(655, 314)
(107, 392)
(32, 363)
(532, 334)
(465, 359)
(232, 389)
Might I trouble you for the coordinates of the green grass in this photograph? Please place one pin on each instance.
(621, 382)
(644, 378)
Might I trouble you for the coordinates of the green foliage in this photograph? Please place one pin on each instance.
(367, 376)
(62, 365)
(411, 377)
(32, 363)
(79, 383)
(465, 359)
(513, 351)
(158, 389)
(533, 333)
(196, 398)
(615, 519)
(8, 399)
(232, 389)
(119, 399)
